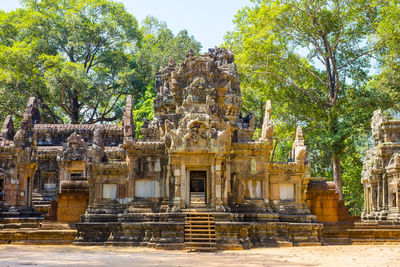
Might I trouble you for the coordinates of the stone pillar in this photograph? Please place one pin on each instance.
(167, 180)
(397, 199)
(134, 162)
(218, 183)
(385, 193)
(374, 197)
(379, 195)
(365, 200)
(177, 193)
(213, 186)
(183, 186)
(227, 187)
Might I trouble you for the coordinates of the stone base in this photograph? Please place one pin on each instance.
(167, 230)
(324, 202)
(361, 233)
(71, 204)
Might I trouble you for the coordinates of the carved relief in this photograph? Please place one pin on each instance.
(75, 148)
(267, 131)
(377, 119)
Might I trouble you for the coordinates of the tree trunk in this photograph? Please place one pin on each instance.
(75, 109)
(337, 175)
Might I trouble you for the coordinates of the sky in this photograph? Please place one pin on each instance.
(207, 20)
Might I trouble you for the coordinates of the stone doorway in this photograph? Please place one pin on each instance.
(198, 188)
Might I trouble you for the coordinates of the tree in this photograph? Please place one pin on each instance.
(74, 55)
(312, 59)
(388, 54)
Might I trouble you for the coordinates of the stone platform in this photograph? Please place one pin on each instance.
(167, 230)
(35, 231)
(357, 233)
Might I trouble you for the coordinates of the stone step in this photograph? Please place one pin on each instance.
(198, 226)
(20, 225)
(202, 249)
(197, 230)
(194, 221)
(200, 244)
(40, 201)
(191, 238)
(37, 236)
(200, 232)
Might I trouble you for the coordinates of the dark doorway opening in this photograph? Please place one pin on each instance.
(198, 181)
(198, 188)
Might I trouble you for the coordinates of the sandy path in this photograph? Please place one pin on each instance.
(338, 256)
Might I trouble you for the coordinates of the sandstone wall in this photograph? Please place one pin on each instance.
(324, 202)
(71, 205)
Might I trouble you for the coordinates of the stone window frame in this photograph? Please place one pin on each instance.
(209, 182)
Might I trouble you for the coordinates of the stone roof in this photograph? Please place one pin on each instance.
(68, 127)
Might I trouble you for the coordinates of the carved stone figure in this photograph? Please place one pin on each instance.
(75, 148)
(377, 119)
(267, 131)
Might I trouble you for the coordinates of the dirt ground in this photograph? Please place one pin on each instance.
(338, 256)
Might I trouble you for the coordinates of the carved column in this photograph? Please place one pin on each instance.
(366, 202)
(385, 192)
(379, 195)
(213, 186)
(177, 193)
(183, 186)
(218, 183)
(374, 197)
(134, 163)
(227, 187)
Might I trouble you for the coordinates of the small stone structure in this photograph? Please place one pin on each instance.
(380, 175)
(197, 157)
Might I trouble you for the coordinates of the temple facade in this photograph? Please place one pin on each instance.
(381, 171)
(195, 165)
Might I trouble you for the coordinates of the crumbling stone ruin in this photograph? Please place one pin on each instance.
(380, 175)
(196, 178)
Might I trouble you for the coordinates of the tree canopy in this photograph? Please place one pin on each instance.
(73, 55)
(159, 44)
(81, 58)
(312, 59)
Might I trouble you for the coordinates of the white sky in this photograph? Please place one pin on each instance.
(206, 20)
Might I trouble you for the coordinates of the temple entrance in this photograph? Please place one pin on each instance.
(198, 188)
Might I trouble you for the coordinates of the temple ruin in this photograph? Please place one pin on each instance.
(195, 179)
(380, 175)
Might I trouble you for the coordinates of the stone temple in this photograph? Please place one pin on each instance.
(195, 179)
(381, 171)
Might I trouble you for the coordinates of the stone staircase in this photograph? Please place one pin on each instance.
(41, 201)
(361, 233)
(200, 232)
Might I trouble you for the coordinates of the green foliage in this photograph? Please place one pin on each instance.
(311, 58)
(388, 55)
(80, 58)
(352, 164)
(73, 55)
(159, 44)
